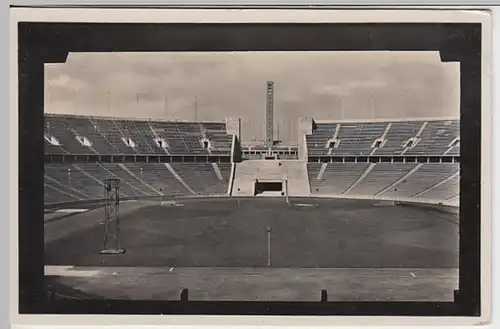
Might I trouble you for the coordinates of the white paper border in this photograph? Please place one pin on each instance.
(254, 16)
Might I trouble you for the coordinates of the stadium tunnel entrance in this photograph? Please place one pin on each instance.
(269, 188)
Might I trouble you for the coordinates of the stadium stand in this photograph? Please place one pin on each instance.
(73, 178)
(335, 178)
(225, 170)
(398, 134)
(317, 142)
(53, 148)
(157, 176)
(54, 194)
(139, 135)
(428, 138)
(431, 181)
(79, 135)
(423, 178)
(72, 182)
(65, 130)
(97, 135)
(380, 176)
(357, 139)
(445, 190)
(436, 138)
(202, 178)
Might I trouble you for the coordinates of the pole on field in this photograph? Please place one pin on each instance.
(269, 246)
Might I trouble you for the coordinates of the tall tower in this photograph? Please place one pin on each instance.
(269, 113)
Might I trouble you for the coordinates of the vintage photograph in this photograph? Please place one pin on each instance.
(258, 163)
(253, 176)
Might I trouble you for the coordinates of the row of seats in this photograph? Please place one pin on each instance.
(437, 137)
(429, 181)
(90, 135)
(73, 182)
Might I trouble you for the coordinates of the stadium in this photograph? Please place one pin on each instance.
(148, 209)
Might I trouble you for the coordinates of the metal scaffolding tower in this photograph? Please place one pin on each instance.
(112, 241)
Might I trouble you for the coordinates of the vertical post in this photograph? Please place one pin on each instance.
(108, 101)
(286, 191)
(166, 105)
(269, 246)
(289, 130)
(342, 110)
(373, 105)
(137, 102)
(195, 108)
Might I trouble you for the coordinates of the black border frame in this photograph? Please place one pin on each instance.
(41, 43)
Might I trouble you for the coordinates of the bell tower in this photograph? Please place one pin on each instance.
(269, 113)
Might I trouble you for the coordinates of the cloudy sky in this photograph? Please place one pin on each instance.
(323, 85)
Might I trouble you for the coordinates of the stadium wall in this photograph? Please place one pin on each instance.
(400, 200)
(233, 127)
(236, 155)
(305, 127)
(445, 206)
(231, 178)
(93, 202)
(418, 119)
(442, 208)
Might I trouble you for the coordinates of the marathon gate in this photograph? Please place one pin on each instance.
(271, 187)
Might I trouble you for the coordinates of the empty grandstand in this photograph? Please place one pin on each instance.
(397, 160)
(388, 138)
(66, 134)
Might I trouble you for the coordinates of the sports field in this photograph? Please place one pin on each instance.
(218, 248)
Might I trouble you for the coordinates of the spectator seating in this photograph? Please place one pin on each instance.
(428, 181)
(72, 182)
(108, 136)
(439, 137)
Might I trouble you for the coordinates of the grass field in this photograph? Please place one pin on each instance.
(218, 249)
(335, 234)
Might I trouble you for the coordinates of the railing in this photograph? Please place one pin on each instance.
(385, 159)
(92, 158)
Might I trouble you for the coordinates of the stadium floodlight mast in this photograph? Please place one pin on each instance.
(112, 240)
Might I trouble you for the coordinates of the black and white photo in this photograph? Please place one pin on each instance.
(253, 169)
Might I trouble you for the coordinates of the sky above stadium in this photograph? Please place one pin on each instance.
(322, 85)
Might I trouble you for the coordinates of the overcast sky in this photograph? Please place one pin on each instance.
(323, 85)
